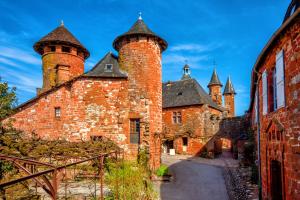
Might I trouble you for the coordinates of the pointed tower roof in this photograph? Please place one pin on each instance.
(214, 79)
(186, 72)
(139, 28)
(60, 35)
(229, 87)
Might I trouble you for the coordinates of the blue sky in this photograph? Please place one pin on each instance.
(231, 32)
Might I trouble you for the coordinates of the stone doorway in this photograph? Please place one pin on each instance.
(276, 180)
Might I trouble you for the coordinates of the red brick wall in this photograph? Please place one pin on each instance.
(287, 149)
(197, 124)
(140, 57)
(52, 59)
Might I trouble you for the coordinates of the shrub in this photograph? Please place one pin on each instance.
(128, 180)
(162, 170)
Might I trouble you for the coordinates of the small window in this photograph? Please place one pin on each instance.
(57, 112)
(108, 68)
(179, 93)
(185, 141)
(135, 131)
(52, 48)
(177, 118)
(65, 49)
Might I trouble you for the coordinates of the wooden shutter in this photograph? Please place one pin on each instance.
(265, 92)
(280, 80)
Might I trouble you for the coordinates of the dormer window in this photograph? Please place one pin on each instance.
(65, 49)
(108, 68)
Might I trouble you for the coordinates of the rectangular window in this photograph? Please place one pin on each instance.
(66, 49)
(108, 68)
(57, 112)
(271, 90)
(135, 131)
(179, 119)
(280, 91)
(174, 117)
(264, 93)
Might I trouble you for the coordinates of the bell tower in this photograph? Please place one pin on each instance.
(140, 53)
(63, 57)
(215, 86)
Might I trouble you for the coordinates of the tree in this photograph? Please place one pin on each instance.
(8, 99)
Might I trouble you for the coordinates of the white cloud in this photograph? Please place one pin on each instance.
(179, 58)
(193, 47)
(19, 55)
(8, 62)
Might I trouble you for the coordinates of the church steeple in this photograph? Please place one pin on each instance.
(186, 72)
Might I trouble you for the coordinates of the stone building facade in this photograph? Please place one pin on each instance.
(119, 99)
(275, 109)
(192, 118)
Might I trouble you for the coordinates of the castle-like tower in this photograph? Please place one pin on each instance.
(215, 86)
(63, 57)
(229, 94)
(140, 57)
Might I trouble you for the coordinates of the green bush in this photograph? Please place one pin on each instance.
(162, 170)
(128, 180)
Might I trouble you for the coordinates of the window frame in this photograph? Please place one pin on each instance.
(135, 130)
(57, 112)
(108, 70)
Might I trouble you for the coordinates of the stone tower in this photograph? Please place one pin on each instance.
(140, 53)
(63, 57)
(215, 86)
(229, 94)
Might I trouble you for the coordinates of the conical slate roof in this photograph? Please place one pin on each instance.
(229, 87)
(140, 28)
(214, 79)
(60, 35)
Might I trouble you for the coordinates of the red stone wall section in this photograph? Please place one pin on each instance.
(88, 107)
(229, 104)
(140, 57)
(199, 125)
(216, 95)
(280, 132)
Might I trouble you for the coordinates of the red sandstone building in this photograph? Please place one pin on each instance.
(275, 109)
(191, 117)
(120, 98)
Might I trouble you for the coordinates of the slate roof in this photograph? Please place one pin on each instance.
(229, 87)
(140, 28)
(99, 70)
(60, 35)
(185, 93)
(214, 79)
